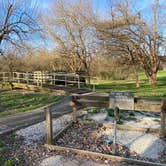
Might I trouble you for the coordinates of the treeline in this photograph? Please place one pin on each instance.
(122, 42)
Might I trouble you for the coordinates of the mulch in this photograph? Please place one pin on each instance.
(85, 136)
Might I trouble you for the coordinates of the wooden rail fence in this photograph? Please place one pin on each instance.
(101, 101)
(44, 78)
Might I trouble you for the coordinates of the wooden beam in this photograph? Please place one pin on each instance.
(130, 128)
(101, 155)
(102, 101)
(61, 132)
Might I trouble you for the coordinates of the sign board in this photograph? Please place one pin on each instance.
(122, 100)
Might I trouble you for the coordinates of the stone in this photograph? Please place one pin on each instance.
(52, 161)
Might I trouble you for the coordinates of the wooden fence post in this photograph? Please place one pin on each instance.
(65, 81)
(27, 77)
(78, 82)
(18, 77)
(54, 78)
(163, 121)
(41, 79)
(93, 88)
(4, 77)
(49, 131)
(74, 113)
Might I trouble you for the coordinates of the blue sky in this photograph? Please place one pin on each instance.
(102, 6)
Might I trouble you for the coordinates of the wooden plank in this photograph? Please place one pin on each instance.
(61, 132)
(130, 128)
(101, 155)
(150, 105)
(93, 103)
(140, 104)
(93, 97)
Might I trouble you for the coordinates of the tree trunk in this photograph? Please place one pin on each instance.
(136, 77)
(153, 79)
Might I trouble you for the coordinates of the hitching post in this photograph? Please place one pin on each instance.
(49, 132)
(116, 118)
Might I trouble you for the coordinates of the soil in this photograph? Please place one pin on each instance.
(23, 155)
(84, 136)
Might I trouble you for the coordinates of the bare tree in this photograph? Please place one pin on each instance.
(128, 35)
(17, 21)
(70, 27)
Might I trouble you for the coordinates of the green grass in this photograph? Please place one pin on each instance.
(145, 90)
(18, 102)
(3, 147)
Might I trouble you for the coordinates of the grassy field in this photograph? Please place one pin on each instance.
(11, 103)
(145, 90)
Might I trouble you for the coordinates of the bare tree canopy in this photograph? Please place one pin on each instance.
(18, 20)
(127, 35)
(69, 25)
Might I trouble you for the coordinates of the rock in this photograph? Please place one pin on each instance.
(99, 117)
(52, 161)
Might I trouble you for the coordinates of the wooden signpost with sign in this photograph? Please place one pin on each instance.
(117, 101)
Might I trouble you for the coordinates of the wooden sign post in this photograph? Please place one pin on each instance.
(117, 101)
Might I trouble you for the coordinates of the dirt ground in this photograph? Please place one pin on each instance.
(21, 155)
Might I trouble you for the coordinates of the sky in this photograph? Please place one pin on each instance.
(102, 7)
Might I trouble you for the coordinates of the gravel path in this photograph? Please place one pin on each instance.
(146, 145)
(37, 132)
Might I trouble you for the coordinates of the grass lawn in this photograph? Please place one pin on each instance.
(145, 90)
(11, 103)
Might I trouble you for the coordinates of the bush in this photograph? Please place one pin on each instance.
(104, 75)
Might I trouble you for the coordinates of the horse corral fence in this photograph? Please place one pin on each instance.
(43, 77)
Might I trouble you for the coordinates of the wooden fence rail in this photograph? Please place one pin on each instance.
(104, 100)
(140, 104)
(40, 78)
